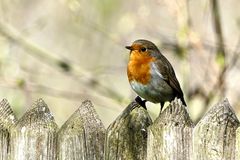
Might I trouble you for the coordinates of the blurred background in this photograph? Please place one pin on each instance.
(67, 51)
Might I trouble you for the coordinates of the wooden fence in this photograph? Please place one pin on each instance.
(132, 136)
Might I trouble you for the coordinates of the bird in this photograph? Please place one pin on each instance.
(151, 75)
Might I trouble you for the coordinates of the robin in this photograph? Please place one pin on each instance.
(151, 75)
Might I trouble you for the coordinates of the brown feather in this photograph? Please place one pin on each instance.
(166, 70)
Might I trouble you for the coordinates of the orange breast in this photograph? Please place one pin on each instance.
(139, 67)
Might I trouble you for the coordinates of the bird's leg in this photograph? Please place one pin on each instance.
(161, 105)
(141, 102)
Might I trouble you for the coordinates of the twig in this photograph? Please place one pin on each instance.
(46, 57)
(53, 92)
(219, 85)
(218, 28)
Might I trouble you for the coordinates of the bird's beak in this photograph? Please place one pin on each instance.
(129, 47)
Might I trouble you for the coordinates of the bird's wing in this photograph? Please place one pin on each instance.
(165, 70)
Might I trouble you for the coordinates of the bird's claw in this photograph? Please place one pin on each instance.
(141, 102)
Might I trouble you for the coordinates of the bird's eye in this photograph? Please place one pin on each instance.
(143, 49)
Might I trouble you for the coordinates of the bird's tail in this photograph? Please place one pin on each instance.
(183, 101)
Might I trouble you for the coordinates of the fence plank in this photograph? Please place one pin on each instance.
(82, 136)
(170, 136)
(215, 134)
(7, 119)
(34, 135)
(238, 144)
(132, 136)
(127, 136)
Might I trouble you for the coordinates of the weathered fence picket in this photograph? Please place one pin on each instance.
(127, 135)
(34, 136)
(215, 134)
(238, 144)
(82, 136)
(132, 136)
(7, 119)
(170, 136)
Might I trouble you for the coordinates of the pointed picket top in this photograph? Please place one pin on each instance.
(38, 115)
(219, 114)
(215, 133)
(127, 136)
(170, 135)
(7, 120)
(34, 136)
(82, 136)
(175, 114)
(7, 117)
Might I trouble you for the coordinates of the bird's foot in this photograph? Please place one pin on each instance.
(141, 102)
(161, 106)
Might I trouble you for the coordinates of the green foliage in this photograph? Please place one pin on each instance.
(21, 83)
(180, 50)
(220, 59)
(107, 7)
(182, 36)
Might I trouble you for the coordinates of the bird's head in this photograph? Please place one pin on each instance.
(142, 47)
